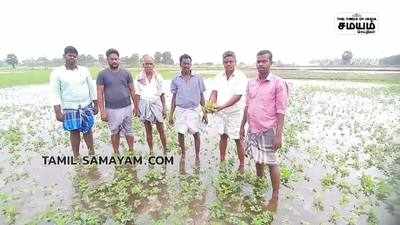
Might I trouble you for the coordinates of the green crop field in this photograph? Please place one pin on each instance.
(10, 78)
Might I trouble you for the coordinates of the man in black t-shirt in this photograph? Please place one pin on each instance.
(115, 90)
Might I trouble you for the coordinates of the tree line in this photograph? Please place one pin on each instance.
(347, 59)
(134, 60)
(165, 58)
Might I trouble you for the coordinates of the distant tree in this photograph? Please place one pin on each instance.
(29, 62)
(12, 60)
(157, 58)
(42, 61)
(365, 61)
(346, 57)
(87, 60)
(57, 62)
(82, 59)
(90, 60)
(124, 61)
(278, 63)
(167, 58)
(102, 60)
(393, 60)
(134, 59)
(141, 61)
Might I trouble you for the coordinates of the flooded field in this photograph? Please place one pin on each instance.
(340, 164)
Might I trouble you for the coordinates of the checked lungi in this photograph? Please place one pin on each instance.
(259, 147)
(80, 119)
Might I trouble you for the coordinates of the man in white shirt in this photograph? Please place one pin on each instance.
(72, 96)
(150, 101)
(228, 89)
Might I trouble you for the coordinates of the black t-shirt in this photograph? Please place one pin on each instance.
(116, 87)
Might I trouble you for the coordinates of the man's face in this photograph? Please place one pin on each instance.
(263, 63)
(148, 65)
(186, 65)
(71, 59)
(229, 64)
(113, 61)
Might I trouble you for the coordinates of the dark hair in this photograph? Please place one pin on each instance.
(70, 49)
(228, 54)
(112, 51)
(184, 56)
(264, 52)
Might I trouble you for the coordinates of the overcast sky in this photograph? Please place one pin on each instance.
(295, 31)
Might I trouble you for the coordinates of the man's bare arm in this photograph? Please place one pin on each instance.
(173, 104)
(59, 114)
(100, 98)
(136, 101)
(244, 119)
(171, 113)
(162, 97)
(213, 96)
(132, 91)
(202, 100)
(233, 100)
(280, 121)
(279, 132)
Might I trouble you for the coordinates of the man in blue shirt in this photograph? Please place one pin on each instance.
(188, 94)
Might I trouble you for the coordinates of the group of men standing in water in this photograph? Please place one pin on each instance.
(260, 103)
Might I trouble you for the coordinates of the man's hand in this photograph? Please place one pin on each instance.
(171, 119)
(219, 108)
(164, 112)
(205, 120)
(241, 133)
(95, 110)
(277, 142)
(136, 112)
(104, 116)
(60, 117)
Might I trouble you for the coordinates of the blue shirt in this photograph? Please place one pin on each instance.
(188, 93)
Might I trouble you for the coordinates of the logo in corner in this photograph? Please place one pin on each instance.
(356, 23)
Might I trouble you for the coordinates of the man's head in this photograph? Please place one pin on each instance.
(148, 64)
(70, 56)
(185, 62)
(112, 58)
(264, 61)
(229, 61)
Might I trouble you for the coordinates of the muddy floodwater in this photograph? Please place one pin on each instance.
(339, 165)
